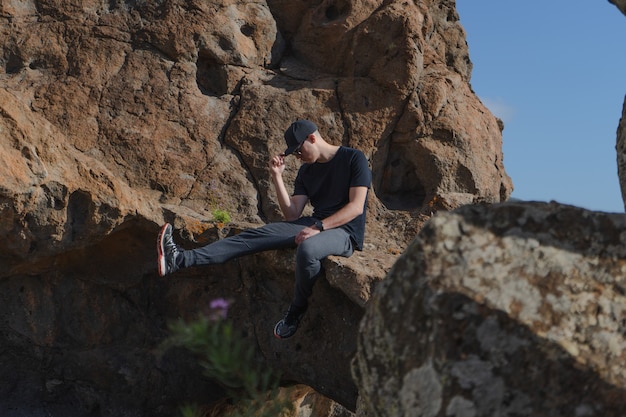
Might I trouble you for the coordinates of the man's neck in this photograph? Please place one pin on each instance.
(327, 153)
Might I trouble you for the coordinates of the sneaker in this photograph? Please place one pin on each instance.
(167, 251)
(288, 326)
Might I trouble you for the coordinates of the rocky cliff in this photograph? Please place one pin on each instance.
(116, 116)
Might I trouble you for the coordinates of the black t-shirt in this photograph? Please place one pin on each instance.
(327, 185)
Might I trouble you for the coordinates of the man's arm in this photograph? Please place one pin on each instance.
(291, 206)
(347, 213)
(350, 211)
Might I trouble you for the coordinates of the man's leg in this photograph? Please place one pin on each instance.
(308, 268)
(309, 256)
(171, 257)
(270, 236)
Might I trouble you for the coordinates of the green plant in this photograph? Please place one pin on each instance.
(190, 411)
(221, 216)
(228, 358)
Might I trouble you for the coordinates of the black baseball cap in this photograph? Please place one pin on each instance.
(297, 133)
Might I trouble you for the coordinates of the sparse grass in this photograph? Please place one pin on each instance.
(228, 359)
(221, 216)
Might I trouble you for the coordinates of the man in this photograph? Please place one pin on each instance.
(334, 179)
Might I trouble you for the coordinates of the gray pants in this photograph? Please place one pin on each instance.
(280, 235)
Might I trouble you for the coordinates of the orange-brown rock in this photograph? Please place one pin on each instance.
(117, 116)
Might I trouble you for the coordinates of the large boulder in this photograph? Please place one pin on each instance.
(117, 116)
(515, 309)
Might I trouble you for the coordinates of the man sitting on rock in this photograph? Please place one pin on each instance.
(335, 179)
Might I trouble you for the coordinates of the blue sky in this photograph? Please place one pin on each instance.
(555, 72)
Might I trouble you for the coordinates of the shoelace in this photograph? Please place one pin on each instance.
(170, 246)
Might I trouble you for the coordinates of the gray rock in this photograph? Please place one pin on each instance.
(514, 309)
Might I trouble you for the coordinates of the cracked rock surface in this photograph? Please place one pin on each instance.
(116, 116)
(514, 309)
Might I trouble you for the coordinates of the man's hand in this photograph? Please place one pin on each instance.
(277, 165)
(291, 206)
(306, 233)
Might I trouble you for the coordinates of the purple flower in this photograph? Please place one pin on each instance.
(219, 308)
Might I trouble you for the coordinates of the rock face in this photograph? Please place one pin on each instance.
(509, 309)
(117, 116)
(621, 129)
(620, 147)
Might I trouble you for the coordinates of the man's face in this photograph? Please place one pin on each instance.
(298, 151)
(306, 152)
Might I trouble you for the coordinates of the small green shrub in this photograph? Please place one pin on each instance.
(221, 216)
(228, 359)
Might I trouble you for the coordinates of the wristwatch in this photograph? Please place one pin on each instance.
(319, 225)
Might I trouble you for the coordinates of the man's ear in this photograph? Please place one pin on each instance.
(311, 138)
